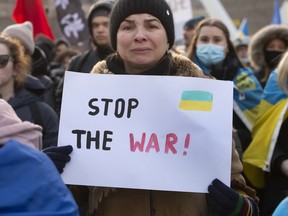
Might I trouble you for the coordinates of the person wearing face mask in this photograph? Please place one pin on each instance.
(265, 50)
(241, 47)
(213, 51)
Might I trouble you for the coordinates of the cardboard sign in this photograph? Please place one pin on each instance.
(146, 132)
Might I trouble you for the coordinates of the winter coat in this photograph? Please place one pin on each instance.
(113, 201)
(29, 106)
(12, 127)
(31, 185)
(257, 44)
(85, 62)
(277, 182)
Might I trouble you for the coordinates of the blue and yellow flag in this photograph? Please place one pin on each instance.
(272, 112)
(196, 101)
(247, 96)
(243, 30)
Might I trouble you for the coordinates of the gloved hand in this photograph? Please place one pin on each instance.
(59, 155)
(226, 201)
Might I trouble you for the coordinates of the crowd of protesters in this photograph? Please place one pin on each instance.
(31, 90)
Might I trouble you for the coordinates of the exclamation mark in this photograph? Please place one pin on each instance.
(186, 144)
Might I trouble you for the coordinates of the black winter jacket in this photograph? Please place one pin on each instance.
(29, 106)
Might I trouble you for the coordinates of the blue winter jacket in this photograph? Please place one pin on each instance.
(31, 185)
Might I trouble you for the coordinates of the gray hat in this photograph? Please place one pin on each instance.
(22, 32)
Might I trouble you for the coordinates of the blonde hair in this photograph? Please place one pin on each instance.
(283, 72)
(21, 61)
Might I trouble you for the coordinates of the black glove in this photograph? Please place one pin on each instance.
(59, 155)
(226, 201)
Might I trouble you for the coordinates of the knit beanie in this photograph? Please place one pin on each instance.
(39, 62)
(22, 32)
(12, 127)
(193, 22)
(100, 8)
(157, 8)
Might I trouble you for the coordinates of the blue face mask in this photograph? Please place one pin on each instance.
(210, 54)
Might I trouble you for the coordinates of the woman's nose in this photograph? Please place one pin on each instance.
(140, 34)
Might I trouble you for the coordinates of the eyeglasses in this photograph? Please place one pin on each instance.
(4, 59)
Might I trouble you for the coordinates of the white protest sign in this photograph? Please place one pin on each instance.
(182, 12)
(146, 132)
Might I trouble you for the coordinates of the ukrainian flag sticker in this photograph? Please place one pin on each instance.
(196, 101)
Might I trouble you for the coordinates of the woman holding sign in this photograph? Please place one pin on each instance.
(142, 32)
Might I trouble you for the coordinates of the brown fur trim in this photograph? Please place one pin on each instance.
(242, 187)
(184, 67)
(96, 195)
(260, 39)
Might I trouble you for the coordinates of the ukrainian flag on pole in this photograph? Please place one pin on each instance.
(243, 28)
(273, 110)
(246, 96)
(276, 19)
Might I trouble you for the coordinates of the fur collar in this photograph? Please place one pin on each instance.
(260, 39)
(183, 66)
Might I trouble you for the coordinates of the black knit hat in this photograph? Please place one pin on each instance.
(193, 22)
(157, 8)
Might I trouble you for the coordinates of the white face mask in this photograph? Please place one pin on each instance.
(210, 54)
(244, 60)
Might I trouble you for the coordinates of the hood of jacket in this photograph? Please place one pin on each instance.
(183, 66)
(259, 41)
(12, 127)
(32, 91)
(35, 85)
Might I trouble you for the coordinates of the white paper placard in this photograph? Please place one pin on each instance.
(146, 132)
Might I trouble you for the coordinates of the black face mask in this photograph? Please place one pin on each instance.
(272, 58)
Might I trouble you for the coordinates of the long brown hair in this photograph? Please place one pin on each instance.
(21, 62)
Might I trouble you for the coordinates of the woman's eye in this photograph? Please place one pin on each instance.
(152, 26)
(205, 40)
(126, 27)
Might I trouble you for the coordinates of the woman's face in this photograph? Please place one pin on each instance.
(141, 42)
(276, 45)
(7, 72)
(212, 35)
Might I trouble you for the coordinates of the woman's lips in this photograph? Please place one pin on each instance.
(141, 50)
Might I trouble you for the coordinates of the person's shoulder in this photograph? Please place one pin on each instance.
(100, 68)
(43, 113)
(77, 60)
(45, 108)
(34, 84)
(186, 67)
(20, 150)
